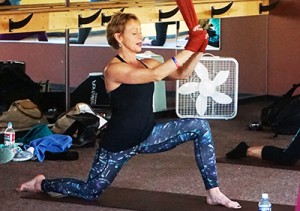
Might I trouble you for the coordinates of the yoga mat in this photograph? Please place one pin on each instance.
(258, 162)
(145, 200)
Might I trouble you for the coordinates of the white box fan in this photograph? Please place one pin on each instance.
(211, 92)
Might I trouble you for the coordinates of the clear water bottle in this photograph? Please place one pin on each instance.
(9, 135)
(264, 204)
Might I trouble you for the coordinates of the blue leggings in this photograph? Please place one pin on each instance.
(164, 136)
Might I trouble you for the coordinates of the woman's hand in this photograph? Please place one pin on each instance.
(198, 40)
(204, 44)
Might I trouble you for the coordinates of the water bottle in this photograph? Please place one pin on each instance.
(9, 135)
(264, 204)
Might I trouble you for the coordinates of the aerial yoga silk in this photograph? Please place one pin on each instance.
(188, 13)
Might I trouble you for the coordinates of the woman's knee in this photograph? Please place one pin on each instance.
(199, 128)
(196, 123)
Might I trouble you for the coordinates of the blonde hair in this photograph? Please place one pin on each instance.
(117, 25)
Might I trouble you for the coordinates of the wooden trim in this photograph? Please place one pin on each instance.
(48, 17)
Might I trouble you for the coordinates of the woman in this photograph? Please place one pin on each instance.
(131, 129)
(284, 156)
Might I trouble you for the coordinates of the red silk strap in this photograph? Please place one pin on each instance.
(203, 46)
(197, 40)
(188, 13)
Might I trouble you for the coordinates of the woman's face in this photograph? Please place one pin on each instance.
(132, 36)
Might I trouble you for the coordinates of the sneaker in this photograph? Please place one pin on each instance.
(23, 156)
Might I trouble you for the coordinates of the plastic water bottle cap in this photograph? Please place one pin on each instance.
(264, 195)
(9, 124)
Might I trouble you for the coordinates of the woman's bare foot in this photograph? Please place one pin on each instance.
(33, 185)
(216, 197)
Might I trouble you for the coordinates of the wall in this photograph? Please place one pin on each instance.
(284, 47)
(244, 39)
(46, 61)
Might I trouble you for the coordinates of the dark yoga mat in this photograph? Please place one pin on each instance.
(258, 162)
(144, 200)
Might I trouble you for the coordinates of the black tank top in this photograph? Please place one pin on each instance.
(132, 117)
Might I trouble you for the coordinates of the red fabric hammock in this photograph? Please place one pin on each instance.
(197, 39)
(188, 13)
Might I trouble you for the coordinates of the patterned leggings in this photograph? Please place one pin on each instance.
(164, 136)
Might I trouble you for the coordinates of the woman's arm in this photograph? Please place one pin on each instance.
(187, 63)
(119, 72)
(186, 69)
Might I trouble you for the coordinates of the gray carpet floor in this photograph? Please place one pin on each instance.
(174, 171)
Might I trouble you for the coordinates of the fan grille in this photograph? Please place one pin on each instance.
(186, 104)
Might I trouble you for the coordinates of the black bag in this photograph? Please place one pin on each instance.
(91, 91)
(283, 116)
(16, 85)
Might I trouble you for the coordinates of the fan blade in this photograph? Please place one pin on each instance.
(221, 77)
(188, 88)
(201, 105)
(221, 98)
(201, 72)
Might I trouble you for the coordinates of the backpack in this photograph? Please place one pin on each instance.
(15, 84)
(283, 116)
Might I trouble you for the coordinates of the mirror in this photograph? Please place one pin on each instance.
(167, 35)
(174, 35)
